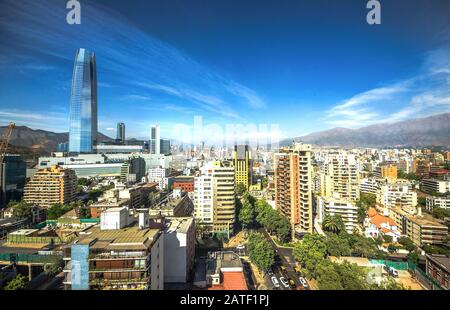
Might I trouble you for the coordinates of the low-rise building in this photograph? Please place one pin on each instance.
(376, 225)
(422, 229)
(178, 204)
(186, 183)
(438, 268)
(131, 257)
(179, 249)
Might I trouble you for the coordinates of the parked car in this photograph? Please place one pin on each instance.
(284, 282)
(393, 272)
(275, 282)
(303, 282)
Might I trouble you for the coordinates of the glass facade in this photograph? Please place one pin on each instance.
(83, 104)
(13, 173)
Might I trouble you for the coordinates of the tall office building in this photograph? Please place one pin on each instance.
(83, 104)
(13, 172)
(214, 198)
(155, 140)
(120, 137)
(293, 186)
(165, 146)
(242, 162)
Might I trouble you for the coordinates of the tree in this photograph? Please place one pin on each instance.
(56, 210)
(413, 257)
(337, 246)
(246, 215)
(21, 210)
(261, 252)
(422, 201)
(333, 224)
(283, 230)
(387, 239)
(407, 243)
(310, 252)
(440, 213)
(392, 249)
(240, 189)
(18, 283)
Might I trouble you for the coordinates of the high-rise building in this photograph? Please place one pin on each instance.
(339, 176)
(83, 104)
(13, 172)
(120, 137)
(242, 162)
(293, 185)
(348, 211)
(214, 198)
(165, 146)
(155, 140)
(51, 186)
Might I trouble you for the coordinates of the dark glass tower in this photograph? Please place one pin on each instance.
(83, 104)
(120, 133)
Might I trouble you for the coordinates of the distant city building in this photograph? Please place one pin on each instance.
(118, 149)
(178, 204)
(155, 140)
(435, 186)
(242, 162)
(120, 135)
(62, 147)
(83, 104)
(293, 185)
(133, 170)
(165, 146)
(13, 172)
(51, 186)
(186, 183)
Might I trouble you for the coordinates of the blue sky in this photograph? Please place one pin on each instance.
(304, 65)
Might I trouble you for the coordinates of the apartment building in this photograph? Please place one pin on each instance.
(340, 175)
(421, 228)
(438, 268)
(116, 255)
(293, 185)
(387, 172)
(438, 202)
(330, 206)
(370, 186)
(435, 186)
(50, 186)
(399, 194)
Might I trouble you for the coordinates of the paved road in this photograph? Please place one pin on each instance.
(286, 260)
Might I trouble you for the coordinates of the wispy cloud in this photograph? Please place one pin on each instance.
(48, 121)
(426, 94)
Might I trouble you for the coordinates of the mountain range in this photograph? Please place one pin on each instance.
(420, 132)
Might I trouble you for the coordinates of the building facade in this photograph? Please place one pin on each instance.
(293, 185)
(242, 162)
(51, 186)
(155, 140)
(13, 172)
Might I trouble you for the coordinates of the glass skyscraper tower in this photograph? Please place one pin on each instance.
(83, 104)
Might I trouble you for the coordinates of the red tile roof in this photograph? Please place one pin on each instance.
(378, 219)
(234, 281)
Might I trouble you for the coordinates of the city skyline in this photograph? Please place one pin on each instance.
(237, 71)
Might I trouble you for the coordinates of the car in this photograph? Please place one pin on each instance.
(393, 272)
(284, 282)
(240, 247)
(303, 282)
(275, 282)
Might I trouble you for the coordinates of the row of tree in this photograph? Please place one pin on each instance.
(260, 251)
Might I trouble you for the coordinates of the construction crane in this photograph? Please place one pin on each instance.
(3, 148)
(5, 140)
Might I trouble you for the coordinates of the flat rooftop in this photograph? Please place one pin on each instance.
(128, 238)
(442, 260)
(179, 224)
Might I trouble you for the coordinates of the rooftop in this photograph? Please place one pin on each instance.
(441, 260)
(132, 238)
(179, 224)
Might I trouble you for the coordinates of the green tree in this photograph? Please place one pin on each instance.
(283, 230)
(392, 248)
(246, 215)
(333, 224)
(310, 252)
(18, 283)
(21, 209)
(240, 189)
(387, 239)
(407, 243)
(56, 210)
(260, 250)
(337, 246)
